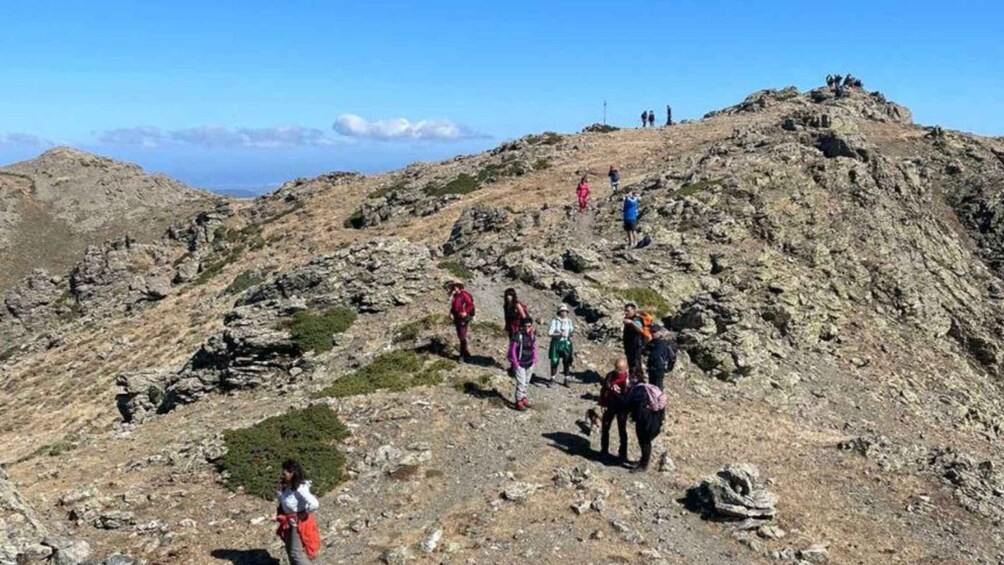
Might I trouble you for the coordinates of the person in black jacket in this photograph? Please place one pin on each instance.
(633, 338)
(661, 355)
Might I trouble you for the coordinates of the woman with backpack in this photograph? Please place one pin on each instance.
(462, 314)
(582, 191)
(295, 514)
(523, 356)
(561, 350)
(514, 312)
(646, 405)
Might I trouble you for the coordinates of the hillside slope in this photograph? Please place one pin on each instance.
(831, 271)
(54, 206)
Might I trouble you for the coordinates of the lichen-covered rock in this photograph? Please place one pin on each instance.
(472, 224)
(736, 492)
(21, 531)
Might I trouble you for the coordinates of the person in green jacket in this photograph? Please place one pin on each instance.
(561, 350)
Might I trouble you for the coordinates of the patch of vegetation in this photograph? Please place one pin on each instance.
(243, 281)
(541, 164)
(393, 371)
(646, 299)
(210, 270)
(65, 445)
(600, 128)
(463, 184)
(384, 191)
(404, 472)
(315, 332)
(254, 455)
(489, 328)
(9, 353)
(482, 383)
(546, 138)
(691, 189)
(355, 221)
(412, 330)
(182, 259)
(457, 269)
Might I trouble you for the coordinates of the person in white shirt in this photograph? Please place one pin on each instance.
(296, 502)
(561, 350)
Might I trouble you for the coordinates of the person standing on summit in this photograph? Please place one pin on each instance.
(644, 118)
(651, 118)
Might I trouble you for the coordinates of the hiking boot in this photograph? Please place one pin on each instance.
(520, 405)
(526, 404)
(639, 469)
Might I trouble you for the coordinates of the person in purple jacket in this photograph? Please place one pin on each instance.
(523, 356)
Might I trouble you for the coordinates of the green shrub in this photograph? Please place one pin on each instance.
(243, 281)
(463, 184)
(600, 128)
(489, 328)
(314, 332)
(394, 371)
(355, 221)
(456, 269)
(541, 164)
(645, 298)
(691, 189)
(254, 455)
(412, 330)
(546, 138)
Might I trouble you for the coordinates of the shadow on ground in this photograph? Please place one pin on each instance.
(245, 556)
(574, 444)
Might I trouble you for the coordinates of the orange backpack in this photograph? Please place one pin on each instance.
(646, 320)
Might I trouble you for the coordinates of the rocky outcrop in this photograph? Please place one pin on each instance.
(256, 348)
(472, 224)
(21, 531)
(736, 492)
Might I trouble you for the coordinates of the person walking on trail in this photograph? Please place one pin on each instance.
(612, 402)
(615, 178)
(462, 314)
(661, 355)
(582, 191)
(644, 118)
(632, 204)
(295, 515)
(633, 337)
(513, 312)
(523, 356)
(561, 350)
(651, 118)
(646, 404)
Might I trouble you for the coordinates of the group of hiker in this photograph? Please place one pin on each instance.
(648, 117)
(840, 84)
(631, 203)
(633, 389)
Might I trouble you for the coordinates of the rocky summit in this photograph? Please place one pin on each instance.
(831, 272)
(54, 206)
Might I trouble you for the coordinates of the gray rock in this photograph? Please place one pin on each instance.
(519, 491)
(814, 554)
(735, 492)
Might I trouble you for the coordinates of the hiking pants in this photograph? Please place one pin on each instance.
(647, 426)
(609, 415)
(656, 376)
(462, 337)
(633, 354)
(294, 548)
(523, 375)
(583, 202)
(561, 351)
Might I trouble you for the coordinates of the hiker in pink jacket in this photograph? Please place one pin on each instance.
(583, 193)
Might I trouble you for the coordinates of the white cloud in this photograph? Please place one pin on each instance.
(351, 125)
(24, 140)
(218, 136)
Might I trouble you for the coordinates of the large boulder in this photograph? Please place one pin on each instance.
(736, 492)
(472, 224)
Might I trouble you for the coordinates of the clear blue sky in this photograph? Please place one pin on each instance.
(209, 83)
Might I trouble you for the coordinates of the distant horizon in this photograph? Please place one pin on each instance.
(249, 98)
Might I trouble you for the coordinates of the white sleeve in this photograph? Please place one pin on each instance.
(554, 327)
(305, 499)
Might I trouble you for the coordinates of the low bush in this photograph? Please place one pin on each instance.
(457, 269)
(691, 189)
(394, 371)
(254, 455)
(463, 184)
(314, 332)
(355, 221)
(546, 138)
(414, 329)
(243, 281)
(645, 298)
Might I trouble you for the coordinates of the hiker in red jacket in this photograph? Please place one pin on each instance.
(582, 191)
(295, 515)
(612, 394)
(462, 313)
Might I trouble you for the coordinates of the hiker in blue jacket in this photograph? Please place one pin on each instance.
(632, 203)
